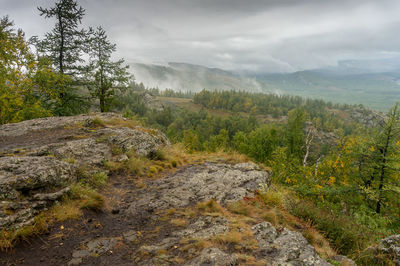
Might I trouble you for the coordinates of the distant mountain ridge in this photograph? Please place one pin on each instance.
(188, 77)
(352, 82)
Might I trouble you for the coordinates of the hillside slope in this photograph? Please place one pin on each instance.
(157, 208)
(187, 77)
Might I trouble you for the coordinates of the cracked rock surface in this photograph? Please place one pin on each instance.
(285, 247)
(222, 182)
(39, 159)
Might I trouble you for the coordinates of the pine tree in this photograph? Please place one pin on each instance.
(295, 131)
(64, 48)
(386, 154)
(377, 160)
(105, 76)
(64, 45)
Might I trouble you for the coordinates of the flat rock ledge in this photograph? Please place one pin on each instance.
(222, 182)
(285, 247)
(35, 173)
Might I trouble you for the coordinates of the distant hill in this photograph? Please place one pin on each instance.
(188, 77)
(353, 82)
(375, 90)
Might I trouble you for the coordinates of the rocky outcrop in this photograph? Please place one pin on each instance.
(151, 102)
(366, 117)
(155, 222)
(87, 152)
(391, 247)
(143, 141)
(285, 247)
(222, 182)
(25, 183)
(39, 159)
(214, 256)
(41, 124)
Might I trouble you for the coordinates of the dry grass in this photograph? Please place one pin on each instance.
(239, 240)
(66, 210)
(120, 122)
(268, 206)
(178, 222)
(8, 239)
(210, 207)
(196, 243)
(245, 259)
(87, 197)
(176, 154)
(242, 208)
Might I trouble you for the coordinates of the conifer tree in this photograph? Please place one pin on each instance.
(64, 45)
(64, 48)
(106, 76)
(386, 156)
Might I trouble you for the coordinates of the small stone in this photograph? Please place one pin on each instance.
(214, 256)
(75, 261)
(130, 236)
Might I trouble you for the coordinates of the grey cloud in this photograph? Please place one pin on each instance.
(256, 35)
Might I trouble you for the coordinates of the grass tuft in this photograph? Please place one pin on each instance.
(97, 122)
(210, 206)
(178, 222)
(88, 197)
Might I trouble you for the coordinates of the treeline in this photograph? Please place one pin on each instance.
(63, 73)
(277, 106)
(139, 87)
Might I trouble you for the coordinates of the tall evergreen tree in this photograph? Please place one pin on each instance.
(64, 45)
(377, 160)
(387, 156)
(295, 131)
(106, 76)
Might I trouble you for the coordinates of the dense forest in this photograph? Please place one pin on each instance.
(343, 169)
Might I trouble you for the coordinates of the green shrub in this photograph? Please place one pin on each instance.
(344, 233)
(99, 179)
(158, 155)
(97, 122)
(90, 198)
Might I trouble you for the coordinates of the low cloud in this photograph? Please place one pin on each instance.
(258, 35)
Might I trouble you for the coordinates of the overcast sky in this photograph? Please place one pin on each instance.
(255, 35)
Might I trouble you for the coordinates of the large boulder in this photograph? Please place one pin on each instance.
(222, 182)
(141, 140)
(285, 247)
(40, 124)
(22, 176)
(82, 152)
(28, 184)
